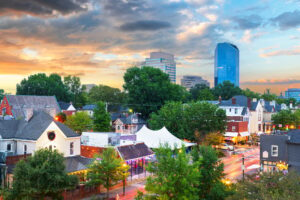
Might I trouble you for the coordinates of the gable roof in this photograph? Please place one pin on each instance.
(37, 103)
(133, 151)
(63, 105)
(33, 129)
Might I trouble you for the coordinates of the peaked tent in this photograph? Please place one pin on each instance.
(154, 139)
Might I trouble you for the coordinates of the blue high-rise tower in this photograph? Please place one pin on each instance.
(227, 67)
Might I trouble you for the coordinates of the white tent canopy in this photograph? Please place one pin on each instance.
(155, 139)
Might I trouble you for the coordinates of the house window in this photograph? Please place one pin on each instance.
(259, 115)
(118, 127)
(233, 128)
(25, 149)
(8, 147)
(259, 127)
(229, 109)
(71, 148)
(274, 150)
(235, 111)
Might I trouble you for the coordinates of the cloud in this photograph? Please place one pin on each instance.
(271, 82)
(287, 20)
(43, 7)
(291, 52)
(145, 25)
(248, 22)
(249, 36)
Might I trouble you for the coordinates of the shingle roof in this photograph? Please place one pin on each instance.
(76, 163)
(63, 105)
(89, 107)
(37, 103)
(33, 129)
(294, 136)
(134, 151)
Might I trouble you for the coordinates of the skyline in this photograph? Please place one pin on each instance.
(99, 40)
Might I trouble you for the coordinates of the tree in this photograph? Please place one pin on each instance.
(79, 122)
(174, 177)
(268, 185)
(201, 92)
(226, 90)
(113, 96)
(284, 118)
(101, 118)
(1, 94)
(211, 169)
(41, 84)
(61, 117)
(183, 120)
(149, 88)
(75, 90)
(214, 138)
(107, 169)
(40, 176)
(248, 93)
(268, 96)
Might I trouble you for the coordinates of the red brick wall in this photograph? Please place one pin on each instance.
(5, 104)
(239, 126)
(12, 160)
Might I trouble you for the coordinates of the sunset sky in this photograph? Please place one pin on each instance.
(99, 39)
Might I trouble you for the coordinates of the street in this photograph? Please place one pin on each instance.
(233, 163)
(232, 169)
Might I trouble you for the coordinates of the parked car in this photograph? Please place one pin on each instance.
(225, 146)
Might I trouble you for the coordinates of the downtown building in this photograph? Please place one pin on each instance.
(293, 93)
(227, 66)
(163, 61)
(190, 81)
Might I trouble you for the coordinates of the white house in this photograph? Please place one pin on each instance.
(19, 137)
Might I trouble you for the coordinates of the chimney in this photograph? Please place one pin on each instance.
(28, 112)
(254, 100)
(249, 103)
(291, 104)
(51, 111)
(233, 99)
(220, 99)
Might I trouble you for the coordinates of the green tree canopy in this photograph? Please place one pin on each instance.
(107, 94)
(201, 92)
(79, 122)
(75, 90)
(211, 169)
(174, 177)
(107, 169)
(226, 90)
(40, 176)
(149, 88)
(1, 94)
(101, 118)
(286, 117)
(266, 186)
(248, 93)
(41, 84)
(183, 120)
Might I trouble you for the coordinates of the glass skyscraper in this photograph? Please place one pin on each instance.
(293, 93)
(163, 61)
(227, 67)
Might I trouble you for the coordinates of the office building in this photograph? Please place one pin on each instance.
(293, 93)
(190, 81)
(227, 64)
(163, 61)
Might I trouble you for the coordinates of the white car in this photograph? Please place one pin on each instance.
(226, 146)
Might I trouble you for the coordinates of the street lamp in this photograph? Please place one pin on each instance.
(124, 168)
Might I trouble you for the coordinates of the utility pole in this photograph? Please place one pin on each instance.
(243, 166)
